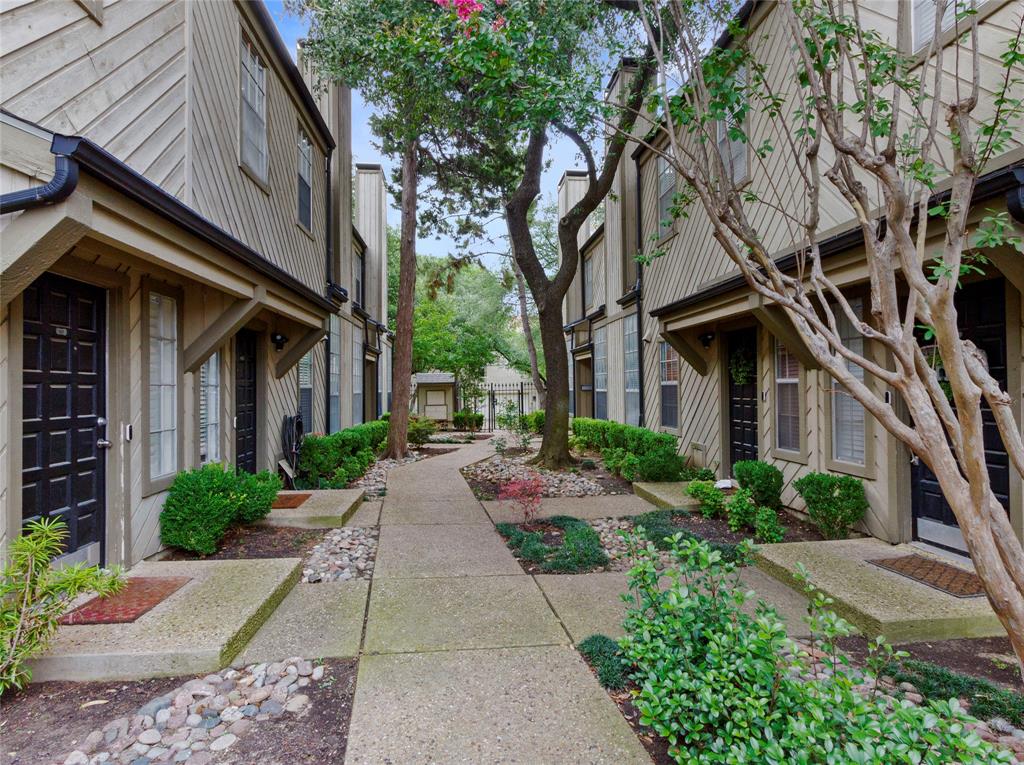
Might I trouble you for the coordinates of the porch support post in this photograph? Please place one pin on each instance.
(1010, 264)
(774, 319)
(224, 327)
(687, 351)
(302, 346)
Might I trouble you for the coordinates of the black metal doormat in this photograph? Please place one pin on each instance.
(934, 573)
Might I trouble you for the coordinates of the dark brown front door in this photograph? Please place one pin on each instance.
(64, 409)
(741, 368)
(981, 317)
(245, 401)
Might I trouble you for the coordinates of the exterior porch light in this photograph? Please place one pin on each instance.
(279, 341)
(706, 338)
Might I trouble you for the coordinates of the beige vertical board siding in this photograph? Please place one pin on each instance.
(371, 221)
(601, 294)
(5, 465)
(267, 222)
(121, 83)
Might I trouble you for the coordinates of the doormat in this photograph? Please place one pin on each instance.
(140, 594)
(942, 576)
(289, 501)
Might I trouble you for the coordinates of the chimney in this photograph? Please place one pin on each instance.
(372, 224)
(571, 189)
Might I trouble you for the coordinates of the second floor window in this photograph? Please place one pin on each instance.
(732, 147)
(588, 282)
(669, 386)
(305, 181)
(666, 190)
(923, 15)
(253, 129)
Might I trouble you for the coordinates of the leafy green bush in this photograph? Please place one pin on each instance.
(691, 473)
(466, 419)
(660, 465)
(725, 686)
(602, 653)
(322, 457)
(580, 550)
(660, 530)
(767, 528)
(740, 510)
(420, 429)
(34, 595)
(613, 459)
(712, 500)
(200, 506)
(649, 456)
(535, 421)
(257, 494)
(834, 502)
(763, 480)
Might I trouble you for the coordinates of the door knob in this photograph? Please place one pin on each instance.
(102, 443)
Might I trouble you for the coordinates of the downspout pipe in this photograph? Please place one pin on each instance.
(640, 298)
(59, 188)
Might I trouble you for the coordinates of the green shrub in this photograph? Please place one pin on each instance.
(602, 653)
(660, 465)
(258, 493)
(725, 686)
(535, 421)
(690, 473)
(580, 550)
(613, 459)
(712, 500)
(466, 419)
(834, 502)
(420, 429)
(650, 456)
(34, 595)
(763, 480)
(200, 506)
(322, 457)
(767, 528)
(631, 468)
(740, 510)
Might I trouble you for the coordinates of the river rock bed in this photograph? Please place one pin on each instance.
(374, 480)
(202, 717)
(342, 555)
(609, 530)
(486, 477)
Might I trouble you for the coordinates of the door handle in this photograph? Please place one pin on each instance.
(102, 443)
(915, 460)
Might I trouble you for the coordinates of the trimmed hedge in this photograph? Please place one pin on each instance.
(202, 504)
(534, 421)
(834, 502)
(637, 453)
(333, 460)
(466, 419)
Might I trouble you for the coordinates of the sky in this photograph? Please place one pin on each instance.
(561, 153)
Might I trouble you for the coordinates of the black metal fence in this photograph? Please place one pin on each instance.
(499, 398)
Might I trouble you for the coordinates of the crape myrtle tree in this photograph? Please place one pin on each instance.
(845, 118)
(534, 67)
(387, 50)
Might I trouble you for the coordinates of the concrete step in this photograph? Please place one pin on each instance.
(325, 509)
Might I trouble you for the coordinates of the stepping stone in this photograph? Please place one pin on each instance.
(467, 612)
(368, 514)
(323, 620)
(526, 705)
(413, 551)
(328, 508)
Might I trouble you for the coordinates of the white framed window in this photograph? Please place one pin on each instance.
(666, 190)
(209, 410)
(306, 391)
(588, 282)
(334, 375)
(849, 420)
(787, 399)
(163, 386)
(357, 381)
(669, 373)
(601, 373)
(631, 368)
(923, 20)
(359, 276)
(305, 181)
(253, 128)
(732, 148)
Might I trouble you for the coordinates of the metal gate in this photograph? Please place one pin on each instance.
(520, 397)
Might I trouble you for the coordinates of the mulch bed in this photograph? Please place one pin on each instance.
(988, 658)
(258, 541)
(140, 594)
(44, 722)
(935, 573)
(717, 529)
(318, 735)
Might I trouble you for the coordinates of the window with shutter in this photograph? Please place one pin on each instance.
(787, 400)
(848, 416)
(601, 373)
(306, 391)
(305, 181)
(253, 111)
(631, 363)
(209, 410)
(923, 18)
(669, 364)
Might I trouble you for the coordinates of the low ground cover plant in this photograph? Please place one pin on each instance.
(834, 502)
(637, 454)
(579, 550)
(34, 595)
(659, 528)
(332, 461)
(603, 654)
(763, 480)
(725, 686)
(202, 503)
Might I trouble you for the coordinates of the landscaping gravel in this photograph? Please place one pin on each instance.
(618, 555)
(486, 476)
(202, 717)
(374, 480)
(343, 554)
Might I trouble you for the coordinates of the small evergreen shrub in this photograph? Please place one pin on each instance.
(535, 421)
(322, 457)
(602, 653)
(466, 419)
(420, 429)
(834, 502)
(767, 528)
(660, 465)
(649, 456)
(613, 459)
(690, 473)
(763, 480)
(257, 494)
(712, 500)
(34, 595)
(200, 506)
(740, 510)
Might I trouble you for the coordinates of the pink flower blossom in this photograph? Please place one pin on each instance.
(498, 23)
(443, 3)
(464, 9)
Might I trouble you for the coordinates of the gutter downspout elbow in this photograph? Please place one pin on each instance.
(59, 188)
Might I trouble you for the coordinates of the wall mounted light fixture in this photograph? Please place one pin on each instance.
(278, 340)
(706, 338)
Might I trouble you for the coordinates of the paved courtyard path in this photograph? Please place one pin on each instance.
(463, 659)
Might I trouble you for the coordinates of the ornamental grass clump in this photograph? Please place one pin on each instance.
(726, 686)
(34, 595)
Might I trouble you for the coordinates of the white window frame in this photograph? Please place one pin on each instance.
(601, 373)
(208, 410)
(666, 191)
(304, 181)
(667, 361)
(785, 379)
(631, 368)
(334, 375)
(163, 388)
(253, 101)
(357, 381)
(843, 402)
(922, 21)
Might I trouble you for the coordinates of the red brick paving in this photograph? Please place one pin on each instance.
(140, 594)
(289, 501)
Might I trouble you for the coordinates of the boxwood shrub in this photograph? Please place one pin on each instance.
(763, 480)
(834, 502)
(638, 453)
(466, 419)
(333, 460)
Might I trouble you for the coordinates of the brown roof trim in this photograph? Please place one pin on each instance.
(284, 58)
(358, 237)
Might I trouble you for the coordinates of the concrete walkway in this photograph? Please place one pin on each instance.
(463, 659)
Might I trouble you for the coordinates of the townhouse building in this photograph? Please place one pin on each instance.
(682, 345)
(179, 259)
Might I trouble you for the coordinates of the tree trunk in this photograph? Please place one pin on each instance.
(401, 371)
(531, 345)
(554, 450)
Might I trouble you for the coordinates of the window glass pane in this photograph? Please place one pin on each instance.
(601, 373)
(357, 381)
(787, 399)
(163, 385)
(305, 181)
(588, 282)
(306, 391)
(631, 365)
(666, 189)
(924, 20)
(848, 416)
(209, 410)
(669, 373)
(253, 112)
